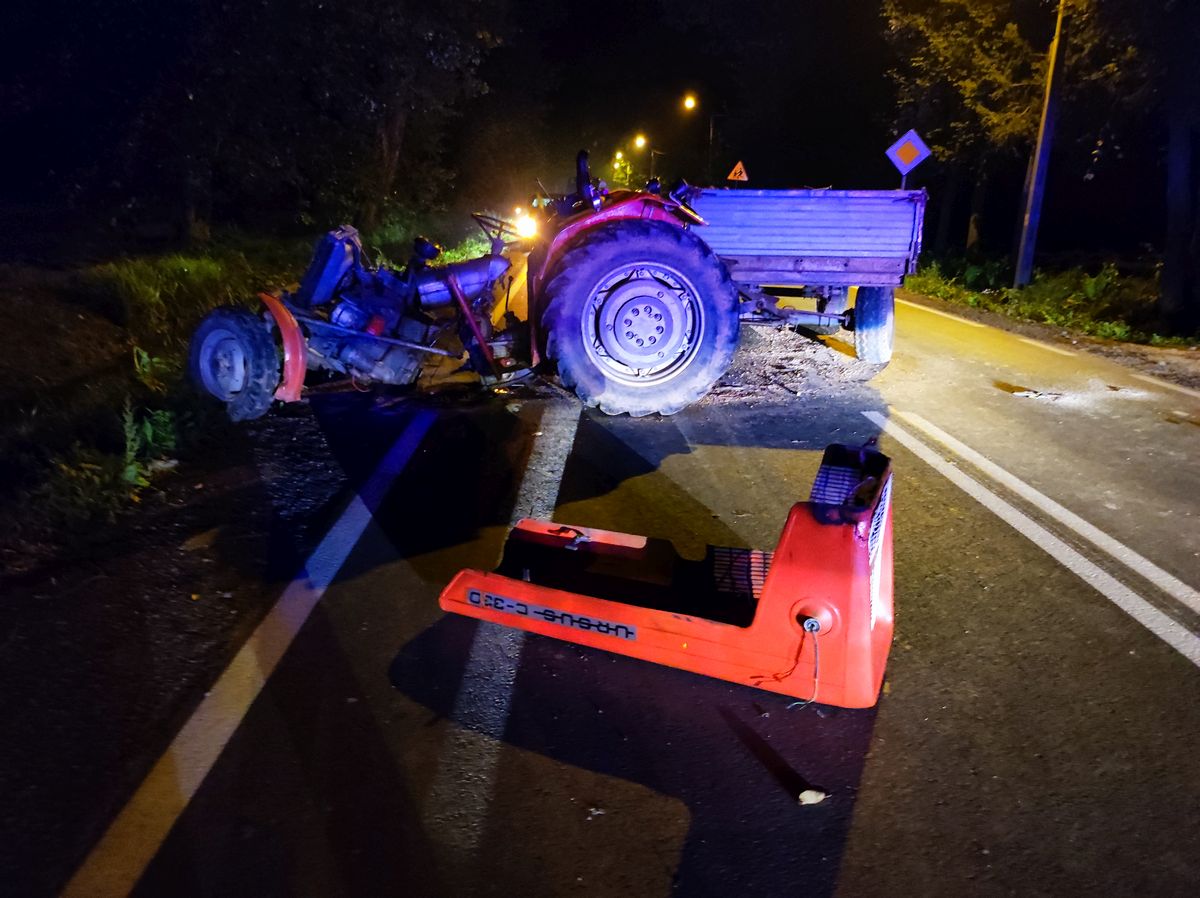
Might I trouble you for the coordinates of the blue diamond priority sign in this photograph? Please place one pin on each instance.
(908, 152)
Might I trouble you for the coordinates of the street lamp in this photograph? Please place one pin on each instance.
(640, 141)
(689, 102)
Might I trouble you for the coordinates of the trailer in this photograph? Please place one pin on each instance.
(825, 244)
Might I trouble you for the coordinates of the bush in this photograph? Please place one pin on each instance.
(1104, 303)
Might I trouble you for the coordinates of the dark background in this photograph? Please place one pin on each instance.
(100, 101)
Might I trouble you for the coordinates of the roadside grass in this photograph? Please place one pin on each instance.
(74, 455)
(1103, 303)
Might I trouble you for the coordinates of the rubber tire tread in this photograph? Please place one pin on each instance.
(599, 251)
(262, 361)
(875, 324)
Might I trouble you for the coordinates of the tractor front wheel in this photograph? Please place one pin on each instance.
(233, 358)
(640, 317)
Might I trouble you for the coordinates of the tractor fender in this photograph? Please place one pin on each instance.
(622, 205)
(295, 349)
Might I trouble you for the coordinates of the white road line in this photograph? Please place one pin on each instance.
(1048, 347)
(1168, 583)
(917, 305)
(118, 860)
(466, 776)
(1159, 382)
(1161, 625)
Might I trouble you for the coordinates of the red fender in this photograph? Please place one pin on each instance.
(620, 204)
(295, 349)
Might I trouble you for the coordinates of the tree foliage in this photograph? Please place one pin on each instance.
(312, 109)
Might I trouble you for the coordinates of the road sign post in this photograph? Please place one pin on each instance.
(907, 153)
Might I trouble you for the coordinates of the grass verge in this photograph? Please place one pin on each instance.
(1104, 303)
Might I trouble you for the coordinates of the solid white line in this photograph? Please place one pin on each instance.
(1048, 347)
(118, 860)
(1159, 382)
(1168, 583)
(917, 305)
(1161, 625)
(466, 776)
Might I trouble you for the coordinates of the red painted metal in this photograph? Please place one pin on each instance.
(465, 307)
(823, 570)
(295, 349)
(618, 205)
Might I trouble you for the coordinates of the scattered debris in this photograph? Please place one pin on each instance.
(811, 796)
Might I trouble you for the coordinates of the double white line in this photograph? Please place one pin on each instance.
(1148, 615)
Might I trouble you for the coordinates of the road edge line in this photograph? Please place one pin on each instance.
(1139, 564)
(1156, 621)
(133, 838)
(939, 312)
(1166, 384)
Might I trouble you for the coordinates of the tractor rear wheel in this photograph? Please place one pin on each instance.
(640, 317)
(874, 324)
(233, 358)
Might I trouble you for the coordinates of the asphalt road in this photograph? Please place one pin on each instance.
(1039, 726)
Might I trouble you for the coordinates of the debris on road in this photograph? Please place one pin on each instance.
(811, 796)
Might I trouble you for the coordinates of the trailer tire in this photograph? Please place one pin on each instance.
(640, 317)
(233, 358)
(874, 324)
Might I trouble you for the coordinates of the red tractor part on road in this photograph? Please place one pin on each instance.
(812, 620)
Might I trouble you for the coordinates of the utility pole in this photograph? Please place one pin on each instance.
(1035, 182)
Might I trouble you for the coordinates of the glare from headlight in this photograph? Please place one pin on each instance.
(526, 226)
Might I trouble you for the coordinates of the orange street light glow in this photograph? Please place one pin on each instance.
(689, 102)
(639, 141)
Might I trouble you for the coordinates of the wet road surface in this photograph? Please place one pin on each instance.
(1037, 734)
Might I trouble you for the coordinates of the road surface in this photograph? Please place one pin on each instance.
(1037, 733)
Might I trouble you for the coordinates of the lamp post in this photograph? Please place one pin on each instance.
(1035, 181)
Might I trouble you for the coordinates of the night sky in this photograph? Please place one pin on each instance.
(799, 90)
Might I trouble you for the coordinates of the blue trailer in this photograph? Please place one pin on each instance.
(782, 243)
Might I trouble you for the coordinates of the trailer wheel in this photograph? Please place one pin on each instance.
(233, 359)
(640, 317)
(874, 324)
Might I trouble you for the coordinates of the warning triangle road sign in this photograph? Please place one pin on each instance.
(738, 173)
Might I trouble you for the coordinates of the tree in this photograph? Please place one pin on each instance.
(307, 109)
(971, 76)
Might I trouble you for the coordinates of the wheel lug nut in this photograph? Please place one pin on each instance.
(659, 328)
(640, 342)
(628, 322)
(610, 327)
(628, 335)
(635, 311)
(653, 340)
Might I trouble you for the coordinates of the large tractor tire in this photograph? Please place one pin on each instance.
(874, 324)
(233, 358)
(640, 317)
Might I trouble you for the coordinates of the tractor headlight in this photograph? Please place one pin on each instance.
(526, 226)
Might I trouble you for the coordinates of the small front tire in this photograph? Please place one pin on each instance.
(233, 358)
